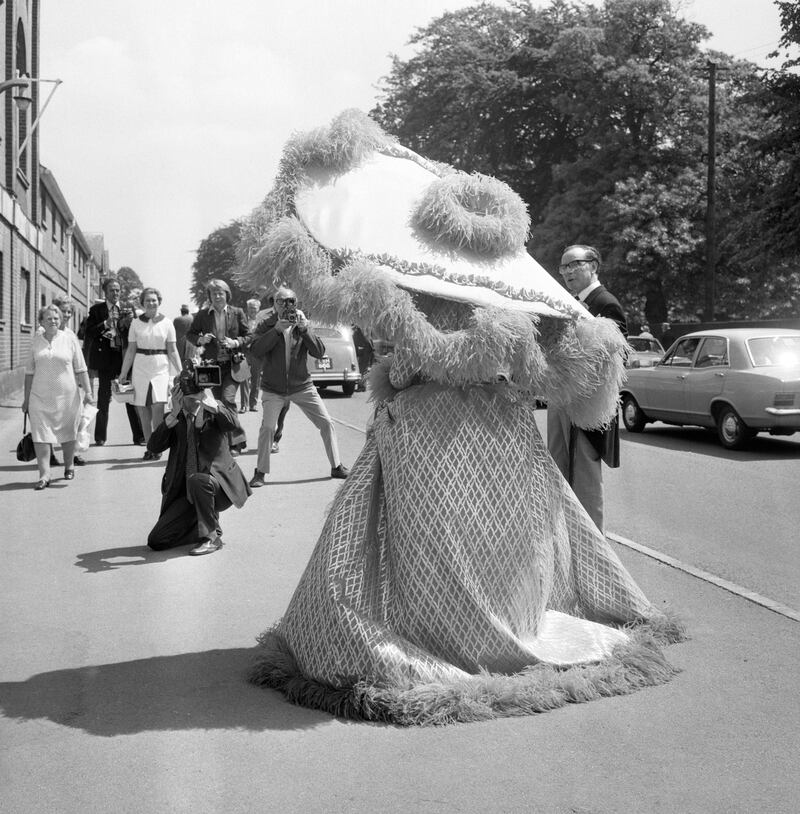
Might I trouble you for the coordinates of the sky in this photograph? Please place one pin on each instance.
(172, 114)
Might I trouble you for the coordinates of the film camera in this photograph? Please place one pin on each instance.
(197, 375)
(287, 309)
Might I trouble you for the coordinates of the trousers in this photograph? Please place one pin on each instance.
(578, 461)
(185, 523)
(309, 401)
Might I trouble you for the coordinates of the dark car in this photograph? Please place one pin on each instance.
(339, 365)
(739, 381)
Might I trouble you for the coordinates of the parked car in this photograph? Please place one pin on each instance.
(739, 381)
(339, 365)
(646, 351)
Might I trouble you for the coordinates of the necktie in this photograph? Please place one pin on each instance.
(191, 454)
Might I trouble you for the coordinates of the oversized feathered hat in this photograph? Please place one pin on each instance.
(360, 227)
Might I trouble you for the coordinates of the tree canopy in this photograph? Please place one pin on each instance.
(216, 259)
(598, 116)
(129, 283)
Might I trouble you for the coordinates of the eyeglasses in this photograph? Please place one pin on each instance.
(575, 264)
(287, 301)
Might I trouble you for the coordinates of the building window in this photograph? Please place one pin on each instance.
(2, 282)
(53, 221)
(25, 297)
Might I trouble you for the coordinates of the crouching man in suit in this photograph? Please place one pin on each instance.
(202, 478)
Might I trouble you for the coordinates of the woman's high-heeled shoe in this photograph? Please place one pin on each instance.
(69, 474)
(43, 483)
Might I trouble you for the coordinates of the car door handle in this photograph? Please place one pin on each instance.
(681, 376)
(721, 375)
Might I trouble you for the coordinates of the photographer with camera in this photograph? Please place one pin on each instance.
(201, 479)
(221, 334)
(105, 342)
(282, 342)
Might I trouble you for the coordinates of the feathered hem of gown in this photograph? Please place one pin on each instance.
(538, 688)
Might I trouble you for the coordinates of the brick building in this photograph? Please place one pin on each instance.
(43, 252)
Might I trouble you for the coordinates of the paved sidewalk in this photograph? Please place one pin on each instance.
(122, 675)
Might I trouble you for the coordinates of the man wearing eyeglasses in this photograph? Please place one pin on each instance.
(578, 453)
(283, 342)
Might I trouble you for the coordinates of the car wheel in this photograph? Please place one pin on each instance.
(632, 416)
(732, 432)
(348, 388)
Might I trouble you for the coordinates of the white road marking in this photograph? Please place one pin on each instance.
(727, 585)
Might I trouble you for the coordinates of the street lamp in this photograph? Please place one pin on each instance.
(23, 83)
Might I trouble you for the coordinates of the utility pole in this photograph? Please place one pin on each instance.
(711, 198)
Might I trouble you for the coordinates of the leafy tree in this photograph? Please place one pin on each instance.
(597, 116)
(216, 259)
(782, 142)
(129, 282)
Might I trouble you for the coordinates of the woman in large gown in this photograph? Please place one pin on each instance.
(52, 399)
(152, 349)
(456, 577)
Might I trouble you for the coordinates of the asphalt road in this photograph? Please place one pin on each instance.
(122, 679)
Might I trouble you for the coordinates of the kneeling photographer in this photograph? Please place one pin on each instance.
(220, 332)
(202, 478)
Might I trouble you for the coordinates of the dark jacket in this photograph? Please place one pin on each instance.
(602, 303)
(213, 455)
(269, 346)
(103, 353)
(204, 322)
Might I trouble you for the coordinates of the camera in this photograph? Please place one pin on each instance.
(207, 375)
(290, 312)
(195, 376)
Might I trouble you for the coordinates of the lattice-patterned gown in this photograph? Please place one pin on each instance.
(456, 576)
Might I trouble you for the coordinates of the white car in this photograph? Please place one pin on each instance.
(339, 365)
(739, 381)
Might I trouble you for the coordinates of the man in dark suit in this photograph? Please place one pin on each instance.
(221, 330)
(105, 341)
(202, 479)
(182, 324)
(578, 453)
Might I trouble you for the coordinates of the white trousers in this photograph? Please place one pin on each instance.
(309, 401)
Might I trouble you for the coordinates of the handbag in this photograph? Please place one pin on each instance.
(123, 393)
(25, 450)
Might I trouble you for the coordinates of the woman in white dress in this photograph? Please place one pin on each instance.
(152, 349)
(54, 370)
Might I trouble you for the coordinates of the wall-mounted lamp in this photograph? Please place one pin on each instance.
(23, 101)
(24, 83)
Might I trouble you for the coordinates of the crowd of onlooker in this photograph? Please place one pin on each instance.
(157, 366)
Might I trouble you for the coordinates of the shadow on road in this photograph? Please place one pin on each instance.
(704, 442)
(57, 482)
(110, 559)
(206, 690)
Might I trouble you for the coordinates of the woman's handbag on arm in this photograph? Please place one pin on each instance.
(25, 450)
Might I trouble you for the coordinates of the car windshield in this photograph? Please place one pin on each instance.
(768, 351)
(640, 344)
